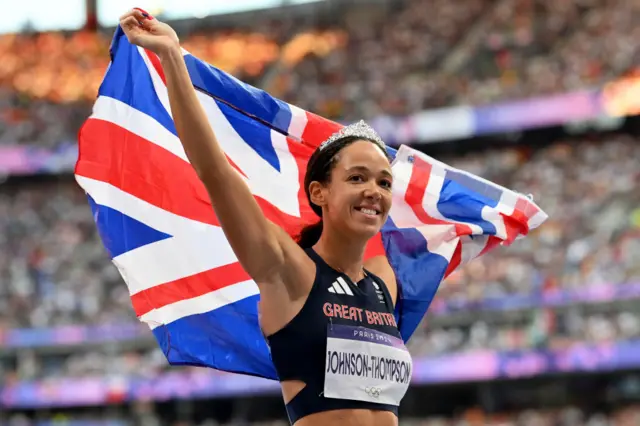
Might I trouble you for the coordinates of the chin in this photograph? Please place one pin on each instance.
(365, 231)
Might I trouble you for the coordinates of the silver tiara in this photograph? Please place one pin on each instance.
(359, 129)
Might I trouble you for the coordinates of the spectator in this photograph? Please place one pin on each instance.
(58, 272)
(374, 59)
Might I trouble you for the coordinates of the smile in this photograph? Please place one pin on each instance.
(368, 211)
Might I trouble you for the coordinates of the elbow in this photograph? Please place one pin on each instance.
(200, 171)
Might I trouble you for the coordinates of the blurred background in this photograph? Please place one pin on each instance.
(541, 96)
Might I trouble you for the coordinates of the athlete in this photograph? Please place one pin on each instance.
(327, 315)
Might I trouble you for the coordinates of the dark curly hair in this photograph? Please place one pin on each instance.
(319, 169)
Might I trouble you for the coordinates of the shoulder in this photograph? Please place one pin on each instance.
(379, 265)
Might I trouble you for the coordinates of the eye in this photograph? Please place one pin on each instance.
(386, 183)
(356, 178)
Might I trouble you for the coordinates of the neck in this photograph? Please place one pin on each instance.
(343, 253)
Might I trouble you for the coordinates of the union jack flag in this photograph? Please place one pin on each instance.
(156, 221)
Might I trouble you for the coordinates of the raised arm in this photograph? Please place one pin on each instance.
(257, 242)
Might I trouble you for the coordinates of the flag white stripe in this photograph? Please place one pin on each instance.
(193, 248)
(181, 256)
(410, 151)
(432, 197)
(472, 247)
(201, 304)
(138, 123)
(401, 212)
(158, 84)
(506, 206)
(298, 122)
(298, 115)
(441, 239)
(280, 188)
(162, 220)
(537, 219)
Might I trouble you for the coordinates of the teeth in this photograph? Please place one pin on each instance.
(368, 211)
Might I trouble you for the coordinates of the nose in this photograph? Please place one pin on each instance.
(372, 192)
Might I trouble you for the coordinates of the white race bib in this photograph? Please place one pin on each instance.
(365, 365)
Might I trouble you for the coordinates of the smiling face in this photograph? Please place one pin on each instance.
(356, 199)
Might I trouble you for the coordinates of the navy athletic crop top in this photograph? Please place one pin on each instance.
(345, 345)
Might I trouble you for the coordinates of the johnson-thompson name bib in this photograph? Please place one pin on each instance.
(366, 365)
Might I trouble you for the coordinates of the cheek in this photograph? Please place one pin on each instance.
(388, 198)
(341, 203)
(341, 199)
(333, 200)
(387, 202)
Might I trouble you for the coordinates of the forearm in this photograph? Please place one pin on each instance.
(192, 125)
(240, 216)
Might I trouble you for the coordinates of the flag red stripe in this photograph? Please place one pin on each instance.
(527, 208)
(517, 222)
(301, 153)
(420, 175)
(155, 61)
(519, 219)
(114, 155)
(375, 247)
(455, 260)
(514, 228)
(188, 287)
(318, 129)
(492, 241)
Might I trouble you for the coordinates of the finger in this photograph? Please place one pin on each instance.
(145, 14)
(126, 15)
(140, 14)
(137, 12)
(130, 23)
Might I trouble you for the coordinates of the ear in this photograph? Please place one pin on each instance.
(317, 193)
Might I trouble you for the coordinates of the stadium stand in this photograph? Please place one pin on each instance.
(574, 283)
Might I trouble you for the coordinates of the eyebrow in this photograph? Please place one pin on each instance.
(385, 172)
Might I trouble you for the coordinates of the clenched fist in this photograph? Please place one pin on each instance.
(145, 31)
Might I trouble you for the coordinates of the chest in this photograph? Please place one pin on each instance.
(341, 302)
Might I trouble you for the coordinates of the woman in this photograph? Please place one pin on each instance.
(326, 314)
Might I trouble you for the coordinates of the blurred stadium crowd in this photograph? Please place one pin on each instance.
(370, 59)
(57, 272)
(568, 416)
(382, 58)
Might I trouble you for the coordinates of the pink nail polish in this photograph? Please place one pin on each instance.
(144, 13)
